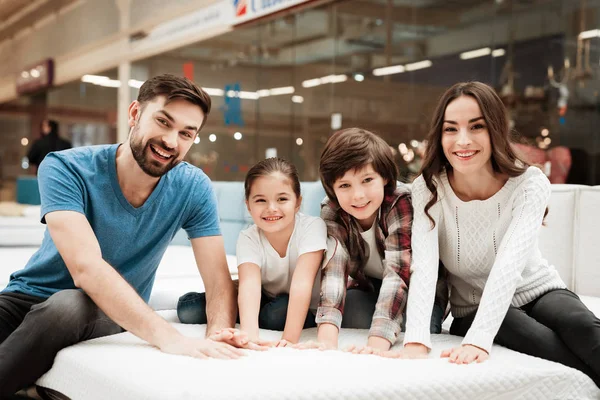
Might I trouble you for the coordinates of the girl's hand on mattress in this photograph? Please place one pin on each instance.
(312, 345)
(465, 354)
(283, 343)
(410, 351)
(231, 336)
(201, 348)
(237, 338)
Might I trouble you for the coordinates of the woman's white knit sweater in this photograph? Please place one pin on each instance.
(490, 249)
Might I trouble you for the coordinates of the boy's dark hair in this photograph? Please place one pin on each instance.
(173, 88)
(269, 166)
(354, 149)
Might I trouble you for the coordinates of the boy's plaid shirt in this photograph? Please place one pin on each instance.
(350, 253)
(347, 255)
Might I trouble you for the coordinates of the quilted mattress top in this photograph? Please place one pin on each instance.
(125, 367)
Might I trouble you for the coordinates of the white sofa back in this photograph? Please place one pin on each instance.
(569, 240)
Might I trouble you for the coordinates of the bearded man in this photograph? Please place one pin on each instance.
(111, 211)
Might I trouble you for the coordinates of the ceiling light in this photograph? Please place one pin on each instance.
(263, 93)
(418, 65)
(589, 34)
(282, 90)
(325, 79)
(95, 79)
(467, 55)
(135, 83)
(545, 132)
(311, 82)
(214, 91)
(394, 69)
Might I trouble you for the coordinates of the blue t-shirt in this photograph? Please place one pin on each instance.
(132, 240)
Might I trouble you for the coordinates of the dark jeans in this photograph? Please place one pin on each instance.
(33, 330)
(360, 306)
(556, 326)
(191, 309)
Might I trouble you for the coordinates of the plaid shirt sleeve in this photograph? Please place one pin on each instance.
(335, 271)
(387, 318)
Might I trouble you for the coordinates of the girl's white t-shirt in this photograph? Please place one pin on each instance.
(310, 234)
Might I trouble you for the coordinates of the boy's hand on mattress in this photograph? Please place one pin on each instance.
(362, 350)
(201, 348)
(378, 344)
(410, 351)
(465, 354)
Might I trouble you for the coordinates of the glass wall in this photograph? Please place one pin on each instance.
(282, 86)
(85, 113)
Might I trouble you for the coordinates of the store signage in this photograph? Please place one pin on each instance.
(199, 25)
(36, 77)
(247, 10)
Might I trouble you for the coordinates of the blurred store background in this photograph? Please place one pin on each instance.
(285, 74)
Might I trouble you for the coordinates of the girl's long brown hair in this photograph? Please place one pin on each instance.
(504, 159)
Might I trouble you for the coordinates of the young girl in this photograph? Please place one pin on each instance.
(480, 209)
(369, 215)
(278, 257)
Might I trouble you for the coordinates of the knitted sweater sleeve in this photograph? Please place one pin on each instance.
(515, 250)
(424, 266)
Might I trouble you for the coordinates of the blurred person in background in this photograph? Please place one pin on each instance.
(49, 142)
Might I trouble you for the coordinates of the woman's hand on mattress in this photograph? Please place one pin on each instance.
(410, 351)
(465, 354)
(201, 348)
(237, 338)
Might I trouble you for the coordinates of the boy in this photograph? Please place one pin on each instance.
(369, 215)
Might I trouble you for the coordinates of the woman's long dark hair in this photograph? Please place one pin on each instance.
(504, 159)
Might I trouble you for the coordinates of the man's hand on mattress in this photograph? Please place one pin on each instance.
(200, 348)
(410, 351)
(465, 354)
(239, 339)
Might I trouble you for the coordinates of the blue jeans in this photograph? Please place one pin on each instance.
(360, 306)
(191, 309)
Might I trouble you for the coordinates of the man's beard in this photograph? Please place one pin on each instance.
(151, 167)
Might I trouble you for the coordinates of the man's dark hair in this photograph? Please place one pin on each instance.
(173, 88)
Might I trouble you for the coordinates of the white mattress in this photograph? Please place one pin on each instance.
(21, 231)
(124, 367)
(177, 273)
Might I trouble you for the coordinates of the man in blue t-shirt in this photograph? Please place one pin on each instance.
(111, 212)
